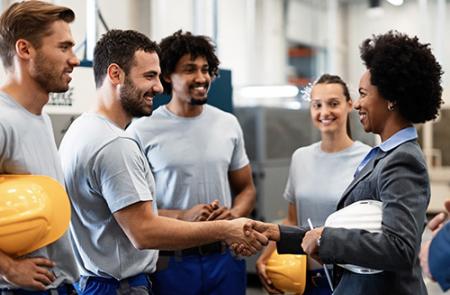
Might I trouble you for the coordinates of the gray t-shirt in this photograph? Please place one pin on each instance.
(191, 157)
(27, 146)
(105, 171)
(317, 180)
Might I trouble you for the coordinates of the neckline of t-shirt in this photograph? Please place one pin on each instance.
(170, 114)
(11, 100)
(333, 154)
(101, 117)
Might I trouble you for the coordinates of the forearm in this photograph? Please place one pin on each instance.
(171, 213)
(171, 234)
(244, 202)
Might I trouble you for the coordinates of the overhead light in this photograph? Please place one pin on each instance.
(268, 91)
(396, 2)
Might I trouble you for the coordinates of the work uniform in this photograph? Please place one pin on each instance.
(27, 146)
(105, 171)
(190, 158)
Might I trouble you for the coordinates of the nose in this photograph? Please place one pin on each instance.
(74, 61)
(157, 88)
(357, 104)
(201, 77)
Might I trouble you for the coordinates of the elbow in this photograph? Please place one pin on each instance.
(406, 257)
(138, 242)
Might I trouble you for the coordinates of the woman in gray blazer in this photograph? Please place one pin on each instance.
(401, 87)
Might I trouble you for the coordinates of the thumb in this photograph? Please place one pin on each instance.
(215, 204)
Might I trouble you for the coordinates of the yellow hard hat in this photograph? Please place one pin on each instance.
(34, 212)
(287, 272)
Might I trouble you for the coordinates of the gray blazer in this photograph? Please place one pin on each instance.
(399, 179)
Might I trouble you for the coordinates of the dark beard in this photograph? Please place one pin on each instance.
(131, 102)
(198, 102)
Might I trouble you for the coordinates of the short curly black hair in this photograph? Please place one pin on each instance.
(177, 45)
(406, 73)
(119, 46)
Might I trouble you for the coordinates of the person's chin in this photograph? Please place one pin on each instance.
(199, 101)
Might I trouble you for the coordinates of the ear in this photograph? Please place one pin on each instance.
(350, 104)
(24, 49)
(115, 74)
(167, 79)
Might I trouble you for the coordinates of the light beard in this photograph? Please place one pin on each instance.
(47, 77)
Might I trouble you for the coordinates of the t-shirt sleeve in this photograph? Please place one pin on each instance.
(289, 191)
(4, 154)
(239, 158)
(123, 174)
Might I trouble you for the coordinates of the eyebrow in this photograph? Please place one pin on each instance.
(153, 73)
(67, 43)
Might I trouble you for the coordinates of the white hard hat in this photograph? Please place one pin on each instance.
(365, 214)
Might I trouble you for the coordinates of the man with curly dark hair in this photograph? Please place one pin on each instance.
(114, 222)
(402, 86)
(197, 155)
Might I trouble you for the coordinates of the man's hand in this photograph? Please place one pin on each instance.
(270, 230)
(249, 242)
(222, 213)
(423, 255)
(200, 212)
(309, 243)
(30, 273)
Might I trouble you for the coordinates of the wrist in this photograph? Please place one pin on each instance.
(6, 263)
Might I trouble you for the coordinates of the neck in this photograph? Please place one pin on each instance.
(335, 142)
(393, 125)
(183, 109)
(108, 105)
(26, 92)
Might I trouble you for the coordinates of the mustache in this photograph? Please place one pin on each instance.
(150, 93)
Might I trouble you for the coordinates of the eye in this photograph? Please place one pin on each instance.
(334, 104)
(316, 105)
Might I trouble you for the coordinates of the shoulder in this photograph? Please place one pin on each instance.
(218, 113)
(359, 149)
(306, 151)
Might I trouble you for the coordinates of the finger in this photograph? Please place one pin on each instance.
(248, 228)
(216, 213)
(261, 238)
(42, 262)
(436, 221)
(225, 215)
(43, 271)
(447, 206)
(268, 285)
(44, 279)
(215, 204)
(37, 285)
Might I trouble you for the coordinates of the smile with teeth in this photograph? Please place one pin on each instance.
(326, 121)
(362, 116)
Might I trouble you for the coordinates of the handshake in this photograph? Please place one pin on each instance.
(246, 237)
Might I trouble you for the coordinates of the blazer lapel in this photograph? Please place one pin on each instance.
(362, 174)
